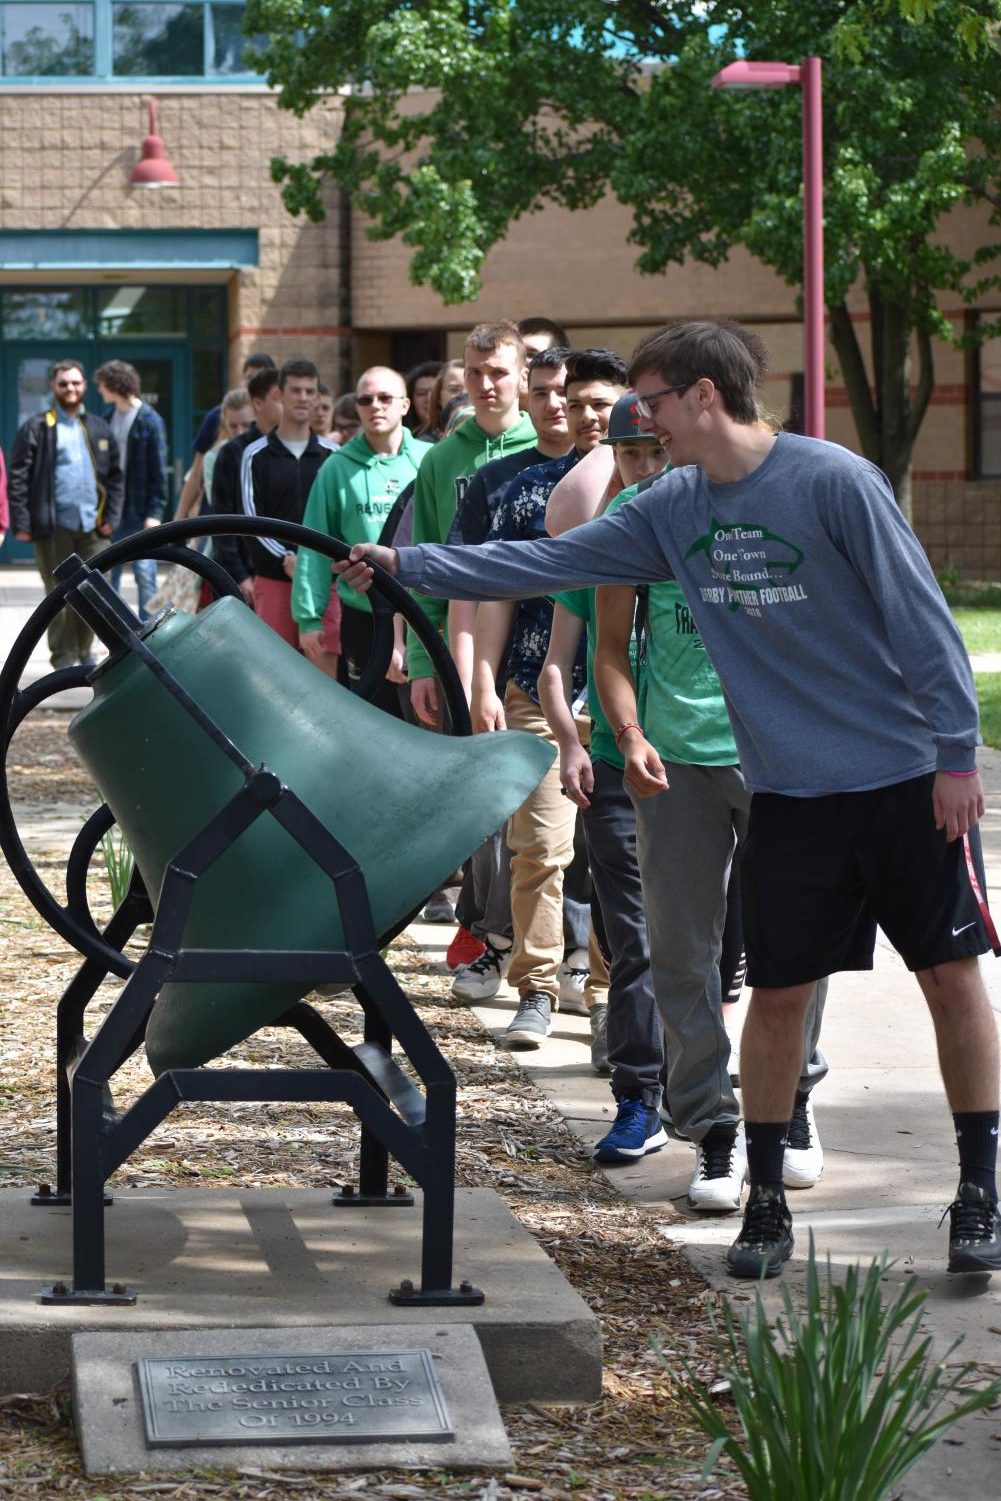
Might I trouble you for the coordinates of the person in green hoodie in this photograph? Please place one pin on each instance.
(494, 361)
(352, 503)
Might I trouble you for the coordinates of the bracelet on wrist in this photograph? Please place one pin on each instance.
(972, 773)
(632, 725)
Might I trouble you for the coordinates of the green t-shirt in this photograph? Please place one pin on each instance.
(580, 602)
(681, 706)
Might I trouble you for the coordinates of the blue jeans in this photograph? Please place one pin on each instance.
(143, 569)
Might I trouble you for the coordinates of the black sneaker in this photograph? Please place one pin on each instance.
(765, 1239)
(974, 1231)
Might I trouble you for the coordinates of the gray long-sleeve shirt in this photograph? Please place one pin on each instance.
(841, 665)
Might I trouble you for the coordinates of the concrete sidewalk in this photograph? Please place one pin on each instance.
(890, 1165)
(881, 1114)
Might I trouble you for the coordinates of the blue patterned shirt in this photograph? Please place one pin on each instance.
(521, 516)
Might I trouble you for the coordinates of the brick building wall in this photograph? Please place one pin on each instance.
(66, 161)
(959, 524)
(65, 164)
(579, 269)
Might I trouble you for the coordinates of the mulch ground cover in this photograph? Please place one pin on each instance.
(636, 1442)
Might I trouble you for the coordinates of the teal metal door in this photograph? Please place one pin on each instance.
(163, 374)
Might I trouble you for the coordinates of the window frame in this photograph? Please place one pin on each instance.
(982, 400)
(103, 42)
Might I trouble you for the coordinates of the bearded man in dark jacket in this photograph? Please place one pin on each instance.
(66, 496)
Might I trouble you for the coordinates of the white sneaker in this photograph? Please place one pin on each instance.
(483, 978)
(803, 1161)
(720, 1170)
(572, 975)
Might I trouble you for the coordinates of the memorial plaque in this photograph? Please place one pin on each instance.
(351, 1397)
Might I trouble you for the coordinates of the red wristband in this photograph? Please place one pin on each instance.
(622, 730)
(972, 773)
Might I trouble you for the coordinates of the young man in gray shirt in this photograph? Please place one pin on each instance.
(855, 716)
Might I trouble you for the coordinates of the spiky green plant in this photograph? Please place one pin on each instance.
(118, 863)
(836, 1402)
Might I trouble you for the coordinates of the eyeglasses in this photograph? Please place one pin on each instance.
(643, 406)
(382, 397)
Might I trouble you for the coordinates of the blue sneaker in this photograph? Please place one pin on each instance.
(635, 1131)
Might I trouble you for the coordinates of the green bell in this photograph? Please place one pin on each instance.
(408, 806)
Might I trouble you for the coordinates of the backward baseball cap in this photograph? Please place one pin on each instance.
(623, 423)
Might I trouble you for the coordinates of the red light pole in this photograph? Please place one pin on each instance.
(757, 75)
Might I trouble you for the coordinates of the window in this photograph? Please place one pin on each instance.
(987, 416)
(149, 39)
(133, 311)
(43, 314)
(141, 312)
(48, 40)
(107, 39)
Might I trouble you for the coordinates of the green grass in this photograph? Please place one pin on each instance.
(989, 694)
(118, 864)
(981, 629)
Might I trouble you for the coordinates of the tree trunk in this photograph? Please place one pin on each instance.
(887, 419)
(856, 379)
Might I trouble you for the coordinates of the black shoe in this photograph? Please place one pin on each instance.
(974, 1231)
(765, 1238)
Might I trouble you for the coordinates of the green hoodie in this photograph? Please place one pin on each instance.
(350, 502)
(439, 488)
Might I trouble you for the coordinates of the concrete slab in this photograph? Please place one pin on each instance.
(288, 1261)
(109, 1411)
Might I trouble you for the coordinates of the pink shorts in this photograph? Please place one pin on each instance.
(272, 602)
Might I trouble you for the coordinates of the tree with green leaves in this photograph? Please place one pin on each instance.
(460, 116)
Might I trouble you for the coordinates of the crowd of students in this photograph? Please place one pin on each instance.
(613, 889)
(596, 541)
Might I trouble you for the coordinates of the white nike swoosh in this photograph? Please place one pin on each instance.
(956, 931)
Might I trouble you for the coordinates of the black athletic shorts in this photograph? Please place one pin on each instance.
(818, 874)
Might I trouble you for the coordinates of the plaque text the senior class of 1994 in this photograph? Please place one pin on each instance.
(351, 1397)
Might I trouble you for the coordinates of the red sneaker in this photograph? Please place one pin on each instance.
(464, 949)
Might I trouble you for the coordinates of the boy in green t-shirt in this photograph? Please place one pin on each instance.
(594, 783)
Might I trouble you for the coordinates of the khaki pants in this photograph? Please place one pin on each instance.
(70, 638)
(540, 837)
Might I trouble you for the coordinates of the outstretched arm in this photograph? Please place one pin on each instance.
(626, 547)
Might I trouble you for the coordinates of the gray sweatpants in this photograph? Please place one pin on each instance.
(685, 841)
